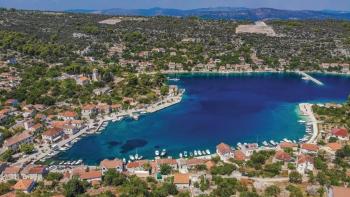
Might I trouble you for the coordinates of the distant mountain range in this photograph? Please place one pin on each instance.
(225, 13)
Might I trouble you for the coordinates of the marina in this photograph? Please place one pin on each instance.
(189, 125)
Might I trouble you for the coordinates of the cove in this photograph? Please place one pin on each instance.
(216, 108)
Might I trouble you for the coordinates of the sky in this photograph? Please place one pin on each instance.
(57, 5)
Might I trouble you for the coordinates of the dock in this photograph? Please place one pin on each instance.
(309, 77)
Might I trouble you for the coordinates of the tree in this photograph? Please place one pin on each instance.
(295, 177)
(54, 176)
(27, 148)
(165, 169)
(4, 188)
(294, 191)
(6, 156)
(272, 190)
(74, 187)
(111, 177)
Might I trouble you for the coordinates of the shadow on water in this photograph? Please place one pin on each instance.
(132, 144)
(113, 143)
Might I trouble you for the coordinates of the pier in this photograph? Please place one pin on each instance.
(309, 77)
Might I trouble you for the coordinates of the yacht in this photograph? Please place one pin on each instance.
(80, 161)
(163, 153)
(265, 143)
(203, 152)
(191, 154)
(185, 154)
(180, 155)
(208, 151)
(273, 142)
(199, 153)
(195, 153)
(124, 160)
(156, 152)
(301, 121)
(136, 156)
(132, 157)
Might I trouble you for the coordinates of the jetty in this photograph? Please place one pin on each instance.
(309, 77)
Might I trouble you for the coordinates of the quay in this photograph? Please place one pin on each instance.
(306, 110)
(309, 77)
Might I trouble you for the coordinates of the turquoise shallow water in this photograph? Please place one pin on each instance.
(215, 108)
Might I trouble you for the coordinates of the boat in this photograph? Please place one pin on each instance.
(163, 153)
(173, 79)
(124, 160)
(185, 154)
(265, 143)
(273, 142)
(195, 153)
(132, 157)
(199, 153)
(191, 154)
(208, 151)
(156, 152)
(80, 161)
(62, 162)
(294, 141)
(301, 121)
(136, 156)
(180, 155)
(203, 152)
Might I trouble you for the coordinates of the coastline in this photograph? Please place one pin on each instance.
(306, 110)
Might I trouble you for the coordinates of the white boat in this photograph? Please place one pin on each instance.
(294, 141)
(185, 154)
(199, 153)
(140, 157)
(301, 121)
(132, 157)
(136, 156)
(195, 153)
(203, 152)
(173, 79)
(80, 161)
(191, 154)
(208, 151)
(265, 143)
(61, 163)
(273, 142)
(156, 152)
(180, 155)
(163, 153)
(124, 160)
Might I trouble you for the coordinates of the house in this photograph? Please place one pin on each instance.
(29, 123)
(284, 145)
(114, 164)
(68, 115)
(88, 110)
(91, 175)
(34, 172)
(116, 107)
(103, 108)
(138, 166)
(309, 148)
(70, 129)
(282, 156)
(24, 185)
(12, 172)
(36, 128)
(82, 80)
(305, 163)
(239, 155)
(224, 151)
(334, 146)
(340, 133)
(193, 162)
(182, 181)
(15, 141)
(336, 191)
(11, 102)
(53, 135)
(248, 149)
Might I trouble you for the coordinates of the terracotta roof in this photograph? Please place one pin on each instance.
(283, 156)
(69, 114)
(136, 164)
(116, 106)
(59, 124)
(287, 145)
(10, 194)
(334, 146)
(210, 164)
(33, 169)
(37, 126)
(239, 155)
(88, 107)
(223, 148)
(340, 132)
(52, 132)
(12, 170)
(305, 158)
(92, 174)
(310, 147)
(18, 138)
(341, 191)
(23, 184)
(181, 178)
(195, 161)
(110, 164)
(166, 161)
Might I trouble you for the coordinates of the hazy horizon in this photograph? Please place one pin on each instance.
(61, 5)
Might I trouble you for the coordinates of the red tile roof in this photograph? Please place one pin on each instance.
(305, 158)
(334, 146)
(92, 174)
(52, 132)
(181, 178)
(287, 145)
(12, 170)
(166, 161)
(340, 191)
(309, 147)
(340, 132)
(239, 155)
(283, 156)
(195, 161)
(223, 148)
(136, 164)
(69, 114)
(111, 164)
(23, 184)
(18, 138)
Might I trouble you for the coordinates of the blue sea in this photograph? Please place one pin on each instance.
(216, 108)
